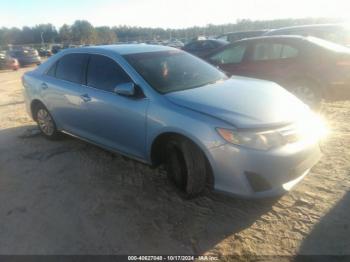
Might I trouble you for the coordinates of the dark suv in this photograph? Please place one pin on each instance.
(202, 48)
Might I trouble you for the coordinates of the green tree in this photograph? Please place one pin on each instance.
(65, 34)
(48, 33)
(105, 35)
(83, 32)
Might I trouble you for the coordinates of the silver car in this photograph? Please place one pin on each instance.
(162, 105)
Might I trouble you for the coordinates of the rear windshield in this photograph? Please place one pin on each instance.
(26, 52)
(169, 71)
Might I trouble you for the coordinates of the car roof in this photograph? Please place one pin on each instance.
(210, 40)
(246, 32)
(313, 26)
(281, 37)
(126, 49)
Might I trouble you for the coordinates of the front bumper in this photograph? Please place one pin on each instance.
(252, 173)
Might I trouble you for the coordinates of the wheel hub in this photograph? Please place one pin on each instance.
(45, 122)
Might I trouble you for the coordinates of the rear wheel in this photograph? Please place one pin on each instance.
(45, 122)
(186, 166)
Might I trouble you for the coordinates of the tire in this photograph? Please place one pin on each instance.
(186, 166)
(45, 122)
(307, 91)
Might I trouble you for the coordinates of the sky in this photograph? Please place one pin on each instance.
(163, 13)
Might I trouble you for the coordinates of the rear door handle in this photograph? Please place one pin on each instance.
(85, 98)
(44, 86)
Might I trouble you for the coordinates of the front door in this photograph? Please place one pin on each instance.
(114, 121)
(231, 59)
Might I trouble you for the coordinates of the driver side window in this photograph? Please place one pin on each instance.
(230, 55)
(105, 74)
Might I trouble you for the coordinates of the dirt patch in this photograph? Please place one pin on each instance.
(69, 197)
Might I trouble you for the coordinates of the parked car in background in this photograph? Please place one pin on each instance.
(202, 48)
(159, 105)
(43, 52)
(337, 33)
(56, 48)
(175, 43)
(235, 36)
(25, 56)
(65, 46)
(309, 67)
(7, 62)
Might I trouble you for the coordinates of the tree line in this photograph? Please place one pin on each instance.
(82, 32)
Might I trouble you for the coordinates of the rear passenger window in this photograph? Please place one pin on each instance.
(267, 51)
(72, 67)
(289, 52)
(105, 74)
(272, 51)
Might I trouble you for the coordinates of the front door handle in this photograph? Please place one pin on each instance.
(44, 86)
(85, 98)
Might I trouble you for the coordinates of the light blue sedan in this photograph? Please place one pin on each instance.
(161, 105)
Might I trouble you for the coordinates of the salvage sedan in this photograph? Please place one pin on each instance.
(161, 105)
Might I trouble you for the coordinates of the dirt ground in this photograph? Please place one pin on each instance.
(69, 197)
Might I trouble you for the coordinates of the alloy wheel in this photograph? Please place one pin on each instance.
(45, 122)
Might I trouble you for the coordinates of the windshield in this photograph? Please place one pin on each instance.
(169, 71)
(329, 45)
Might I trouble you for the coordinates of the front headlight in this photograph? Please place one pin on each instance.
(308, 129)
(312, 127)
(264, 140)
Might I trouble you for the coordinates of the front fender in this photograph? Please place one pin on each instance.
(197, 127)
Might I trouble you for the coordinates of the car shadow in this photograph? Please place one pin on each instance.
(331, 235)
(70, 197)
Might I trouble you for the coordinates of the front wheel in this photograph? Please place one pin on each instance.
(45, 122)
(186, 166)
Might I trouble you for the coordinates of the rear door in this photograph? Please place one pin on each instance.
(273, 60)
(62, 90)
(114, 121)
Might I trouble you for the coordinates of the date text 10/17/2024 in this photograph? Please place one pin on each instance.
(172, 258)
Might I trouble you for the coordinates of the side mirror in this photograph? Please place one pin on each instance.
(125, 89)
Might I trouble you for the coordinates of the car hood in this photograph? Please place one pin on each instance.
(243, 102)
